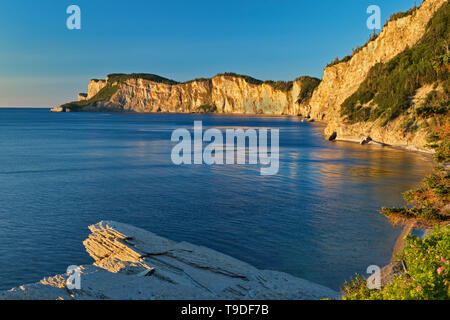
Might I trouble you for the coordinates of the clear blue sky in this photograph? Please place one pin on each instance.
(42, 63)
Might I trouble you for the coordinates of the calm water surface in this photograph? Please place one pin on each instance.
(317, 219)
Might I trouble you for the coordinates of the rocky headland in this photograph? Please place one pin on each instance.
(309, 98)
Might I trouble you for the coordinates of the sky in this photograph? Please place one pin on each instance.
(43, 63)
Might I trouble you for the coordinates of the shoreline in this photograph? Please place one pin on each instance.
(245, 115)
(135, 264)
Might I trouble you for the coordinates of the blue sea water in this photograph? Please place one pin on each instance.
(316, 219)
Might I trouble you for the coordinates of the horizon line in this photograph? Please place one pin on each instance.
(24, 107)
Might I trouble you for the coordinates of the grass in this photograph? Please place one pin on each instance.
(103, 95)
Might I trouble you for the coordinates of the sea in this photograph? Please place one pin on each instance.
(317, 218)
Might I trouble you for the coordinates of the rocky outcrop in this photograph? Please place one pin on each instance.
(60, 109)
(82, 96)
(94, 87)
(131, 263)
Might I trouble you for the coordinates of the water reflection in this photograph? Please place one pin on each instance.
(318, 218)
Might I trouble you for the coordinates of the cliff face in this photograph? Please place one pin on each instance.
(234, 94)
(94, 87)
(341, 80)
(225, 93)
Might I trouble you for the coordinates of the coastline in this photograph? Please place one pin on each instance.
(132, 263)
(318, 124)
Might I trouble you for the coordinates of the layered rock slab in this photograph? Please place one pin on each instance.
(131, 263)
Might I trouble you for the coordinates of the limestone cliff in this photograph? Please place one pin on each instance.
(236, 94)
(341, 80)
(94, 87)
(225, 93)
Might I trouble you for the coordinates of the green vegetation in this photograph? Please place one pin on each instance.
(122, 77)
(425, 276)
(207, 108)
(372, 37)
(400, 15)
(387, 90)
(309, 84)
(436, 103)
(199, 80)
(284, 86)
(422, 270)
(337, 60)
(103, 95)
(431, 198)
(247, 79)
(116, 79)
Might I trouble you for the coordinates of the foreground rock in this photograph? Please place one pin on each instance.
(131, 263)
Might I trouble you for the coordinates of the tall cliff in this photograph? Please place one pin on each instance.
(343, 79)
(306, 96)
(224, 93)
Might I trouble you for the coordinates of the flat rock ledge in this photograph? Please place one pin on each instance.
(134, 264)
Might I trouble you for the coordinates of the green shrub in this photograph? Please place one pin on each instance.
(247, 79)
(390, 85)
(284, 86)
(207, 108)
(122, 77)
(428, 111)
(199, 80)
(103, 95)
(400, 15)
(372, 37)
(427, 276)
(308, 85)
